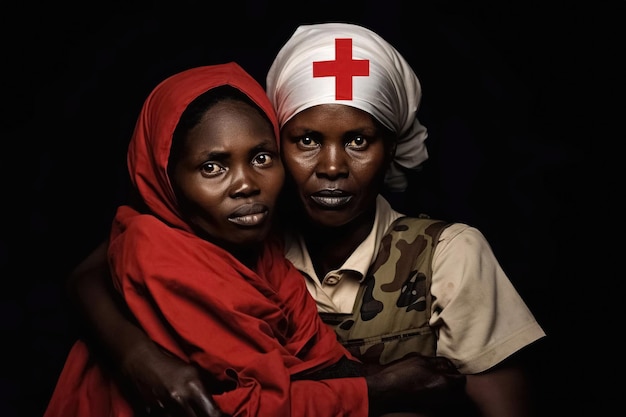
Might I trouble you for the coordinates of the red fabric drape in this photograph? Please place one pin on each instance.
(255, 328)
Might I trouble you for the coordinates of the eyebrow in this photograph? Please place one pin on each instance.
(222, 155)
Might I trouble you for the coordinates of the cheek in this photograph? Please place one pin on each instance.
(297, 167)
(274, 181)
(370, 168)
(203, 199)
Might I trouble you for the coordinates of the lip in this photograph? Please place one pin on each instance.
(251, 214)
(332, 198)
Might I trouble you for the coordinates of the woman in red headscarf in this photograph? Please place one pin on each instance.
(199, 268)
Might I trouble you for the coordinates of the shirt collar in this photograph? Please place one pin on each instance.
(361, 258)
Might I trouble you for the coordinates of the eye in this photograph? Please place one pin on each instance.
(357, 142)
(263, 160)
(211, 169)
(307, 142)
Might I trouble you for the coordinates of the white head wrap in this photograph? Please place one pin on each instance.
(384, 85)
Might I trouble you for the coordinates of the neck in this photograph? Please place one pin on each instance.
(247, 254)
(330, 247)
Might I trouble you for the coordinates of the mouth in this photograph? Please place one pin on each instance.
(249, 215)
(331, 199)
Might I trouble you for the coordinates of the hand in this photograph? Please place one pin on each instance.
(414, 383)
(167, 385)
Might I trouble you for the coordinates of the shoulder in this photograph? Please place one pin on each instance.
(462, 234)
(460, 243)
(422, 221)
(136, 227)
(146, 236)
(423, 225)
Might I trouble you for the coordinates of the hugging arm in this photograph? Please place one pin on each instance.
(502, 390)
(163, 380)
(158, 378)
(497, 381)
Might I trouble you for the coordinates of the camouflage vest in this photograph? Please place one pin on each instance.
(393, 305)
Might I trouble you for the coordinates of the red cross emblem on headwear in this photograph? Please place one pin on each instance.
(343, 68)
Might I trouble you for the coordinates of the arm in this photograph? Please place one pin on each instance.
(159, 378)
(502, 390)
(163, 379)
(187, 297)
(414, 386)
(102, 317)
(485, 339)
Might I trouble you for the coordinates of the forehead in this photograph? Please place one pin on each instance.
(332, 116)
(336, 120)
(231, 124)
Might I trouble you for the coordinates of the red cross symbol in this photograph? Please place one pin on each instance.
(343, 68)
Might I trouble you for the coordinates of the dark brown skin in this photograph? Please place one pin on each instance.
(229, 161)
(164, 381)
(324, 147)
(159, 379)
(340, 147)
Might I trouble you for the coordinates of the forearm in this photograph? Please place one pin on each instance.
(416, 385)
(101, 314)
(501, 391)
(273, 394)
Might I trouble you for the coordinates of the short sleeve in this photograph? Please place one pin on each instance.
(479, 316)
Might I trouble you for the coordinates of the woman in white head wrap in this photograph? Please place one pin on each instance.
(391, 285)
(404, 285)
(390, 91)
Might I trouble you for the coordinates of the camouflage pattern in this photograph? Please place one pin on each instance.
(393, 306)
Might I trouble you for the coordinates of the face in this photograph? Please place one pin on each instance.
(337, 157)
(229, 175)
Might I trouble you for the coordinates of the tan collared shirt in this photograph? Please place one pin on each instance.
(479, 316)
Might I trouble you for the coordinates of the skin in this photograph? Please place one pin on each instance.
(335, 146)
(224, 166)
(337, 173)
(229, 176)
(326, 147)
(349, 156)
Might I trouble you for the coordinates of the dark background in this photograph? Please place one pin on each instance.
(511, 96)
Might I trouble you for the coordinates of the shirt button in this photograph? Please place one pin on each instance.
(332, 279)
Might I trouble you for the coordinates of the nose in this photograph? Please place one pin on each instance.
(244, 182)
(333, 162)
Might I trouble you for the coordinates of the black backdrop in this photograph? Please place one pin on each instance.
(508, 97)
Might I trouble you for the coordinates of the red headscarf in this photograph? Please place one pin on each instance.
(256, 329)
(149, 148)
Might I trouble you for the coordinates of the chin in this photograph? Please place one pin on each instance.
(330, 218)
